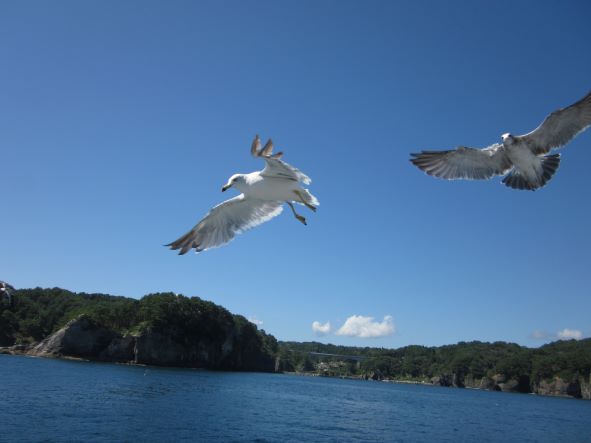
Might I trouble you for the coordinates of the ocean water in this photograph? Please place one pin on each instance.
(43, 400)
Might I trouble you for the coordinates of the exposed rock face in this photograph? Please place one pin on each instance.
(154, 348)
(559, 387)
(165, 349)
(586, 388)
(443, 380)
(374, 375)
(497, 382)
(448, 380)
(81, 337)
(481, 383)
(84, 338)
(120, 349)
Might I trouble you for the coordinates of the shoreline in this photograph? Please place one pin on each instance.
(424, 383)
(16, 352)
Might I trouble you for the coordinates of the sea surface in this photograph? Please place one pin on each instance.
(45, 400)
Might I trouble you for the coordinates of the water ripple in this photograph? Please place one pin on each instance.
(55, 401)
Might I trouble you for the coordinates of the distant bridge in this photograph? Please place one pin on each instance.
(356, 358)
(341, 356)
(326, 354)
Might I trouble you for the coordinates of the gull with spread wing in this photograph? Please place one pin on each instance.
(522, 157)
(262, 198)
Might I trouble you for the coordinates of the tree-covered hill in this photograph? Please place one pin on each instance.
(496, 365)
(192, 325)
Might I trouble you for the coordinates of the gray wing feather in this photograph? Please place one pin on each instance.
(266, 151)
(224, 221)
(279, 169)
(275, 167)
(464, 163)
(560, 127)
(255, 148)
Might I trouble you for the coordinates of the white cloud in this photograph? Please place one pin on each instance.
(365, 327)
(255, 320)
(567, 334)
(321, 329)
(539, 335)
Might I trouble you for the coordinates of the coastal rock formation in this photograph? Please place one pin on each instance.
(586, 388)
(442, 380)
(497, 382)
(120, 349)
(85, 338)
(485, 383)
(81, 337)
(558, 387)
(448, 380)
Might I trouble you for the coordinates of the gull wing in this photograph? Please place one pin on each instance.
(224, 221)
(466, 163)
(275, 167)
(279, 169)
(560, 127)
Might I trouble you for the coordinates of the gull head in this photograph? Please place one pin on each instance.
(236, 180)
(508, 139)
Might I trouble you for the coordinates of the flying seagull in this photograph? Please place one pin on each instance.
(262, 198)
(522, 157)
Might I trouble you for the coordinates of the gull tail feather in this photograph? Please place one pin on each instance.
(549, 163)
(309, 198)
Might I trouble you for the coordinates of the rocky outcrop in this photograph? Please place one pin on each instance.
(85, 338)
(485, 383)
(442, 380)
(448, 380)
(15, 349)
(81, 337)
(157, 348)
(120, 349)
(586, 388)
(497, 382)
(561, 388)
(374, 375)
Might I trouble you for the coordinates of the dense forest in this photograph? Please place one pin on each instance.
(566, 359)
(460, 365)
(30, 315)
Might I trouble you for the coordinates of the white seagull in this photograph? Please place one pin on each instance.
(521, 156)
(262, 198)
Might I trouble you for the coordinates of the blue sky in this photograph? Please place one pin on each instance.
(120, 122)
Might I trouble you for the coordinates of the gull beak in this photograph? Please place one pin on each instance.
(226, 187)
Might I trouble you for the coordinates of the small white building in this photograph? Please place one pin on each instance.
(6, 292)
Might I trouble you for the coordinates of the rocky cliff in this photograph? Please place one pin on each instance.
(81, 337)
(578, 388)
(85, 338)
